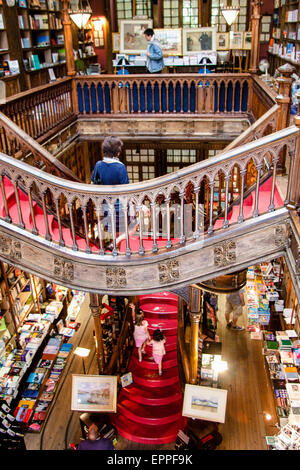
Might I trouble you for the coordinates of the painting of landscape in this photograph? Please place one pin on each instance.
(94, 393)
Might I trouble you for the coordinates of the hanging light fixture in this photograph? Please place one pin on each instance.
(81, 14)
(230, 14)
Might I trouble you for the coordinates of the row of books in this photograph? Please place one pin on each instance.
(291, 16)
(75, 305)
(38, 22)
(285, 51)
(32, 333)
(34, 390)
(55, 22)
(282, 354)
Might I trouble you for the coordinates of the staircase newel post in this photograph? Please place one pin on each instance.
(284, 99)
(194, 308)
(96, 312)
(293, 191)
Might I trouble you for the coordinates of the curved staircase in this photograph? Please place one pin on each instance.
(149, 410)
(134, 241)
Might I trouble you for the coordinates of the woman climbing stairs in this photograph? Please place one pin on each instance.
(149, 410)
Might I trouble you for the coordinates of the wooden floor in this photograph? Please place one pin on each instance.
(249, 393)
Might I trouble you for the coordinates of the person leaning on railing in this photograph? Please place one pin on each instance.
(111, 171)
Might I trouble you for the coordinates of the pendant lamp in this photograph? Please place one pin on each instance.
(81, 14)
(230, 14)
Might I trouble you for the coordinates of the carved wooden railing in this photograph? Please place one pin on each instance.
(16, 143)
(42, 109)
(265, 125)
(159, 194)
(184, 355)
(162, 94)
(121, 352)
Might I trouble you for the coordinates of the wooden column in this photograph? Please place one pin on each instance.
(108, 37)
(284, 99)
(96, 312)
(194, 307)
(68, 39)
(256, 16)
(160, 6)
(113, 16)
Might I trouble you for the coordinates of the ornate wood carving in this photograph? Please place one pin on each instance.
(10, 247)
(63, 269)
(168, 271)
(225, 254)
(116, 277)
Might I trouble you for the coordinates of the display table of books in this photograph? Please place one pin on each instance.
(42, 383)
(280, 349)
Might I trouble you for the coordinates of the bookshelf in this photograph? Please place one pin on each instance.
(42, 40)
(29, 311)
(284, 44)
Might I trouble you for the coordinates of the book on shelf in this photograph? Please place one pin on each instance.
(35, 61)
(22, 3)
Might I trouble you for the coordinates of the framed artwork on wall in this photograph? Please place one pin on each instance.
(132, 39)
(247, 40)
(198, 40)
(236, 40)
(222, 41)
(94, 393)
(115, 42)
(170, 40)
(205, 403)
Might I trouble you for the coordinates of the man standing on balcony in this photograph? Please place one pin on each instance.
(155, 62)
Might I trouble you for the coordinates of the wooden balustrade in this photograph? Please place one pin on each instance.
(174, 201)
(162, 94)
(16, 143)
(41, 110)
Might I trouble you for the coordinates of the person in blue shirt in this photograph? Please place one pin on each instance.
(111, 171)
(155, 61)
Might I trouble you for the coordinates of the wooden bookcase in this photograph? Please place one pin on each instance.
(285, 38)
(32, 33)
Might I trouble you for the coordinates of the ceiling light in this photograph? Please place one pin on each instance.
(230, 14)
(81, 14)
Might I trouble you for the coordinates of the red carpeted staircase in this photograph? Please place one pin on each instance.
(149, 410)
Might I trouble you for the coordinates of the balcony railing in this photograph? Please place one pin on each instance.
(178, 213)
(163, 94)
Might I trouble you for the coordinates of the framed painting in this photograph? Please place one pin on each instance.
(205, 403)
(197, 40)
(222, 41)
(247, 40)
(132, 39)
(236, 40)
(94, 393)
(115, 42)
(170, 40)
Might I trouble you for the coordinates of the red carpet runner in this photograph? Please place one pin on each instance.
(149, 410)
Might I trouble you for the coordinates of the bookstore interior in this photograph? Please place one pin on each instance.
(51, 371)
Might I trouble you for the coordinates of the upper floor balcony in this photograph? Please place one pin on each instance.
(168, 224)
